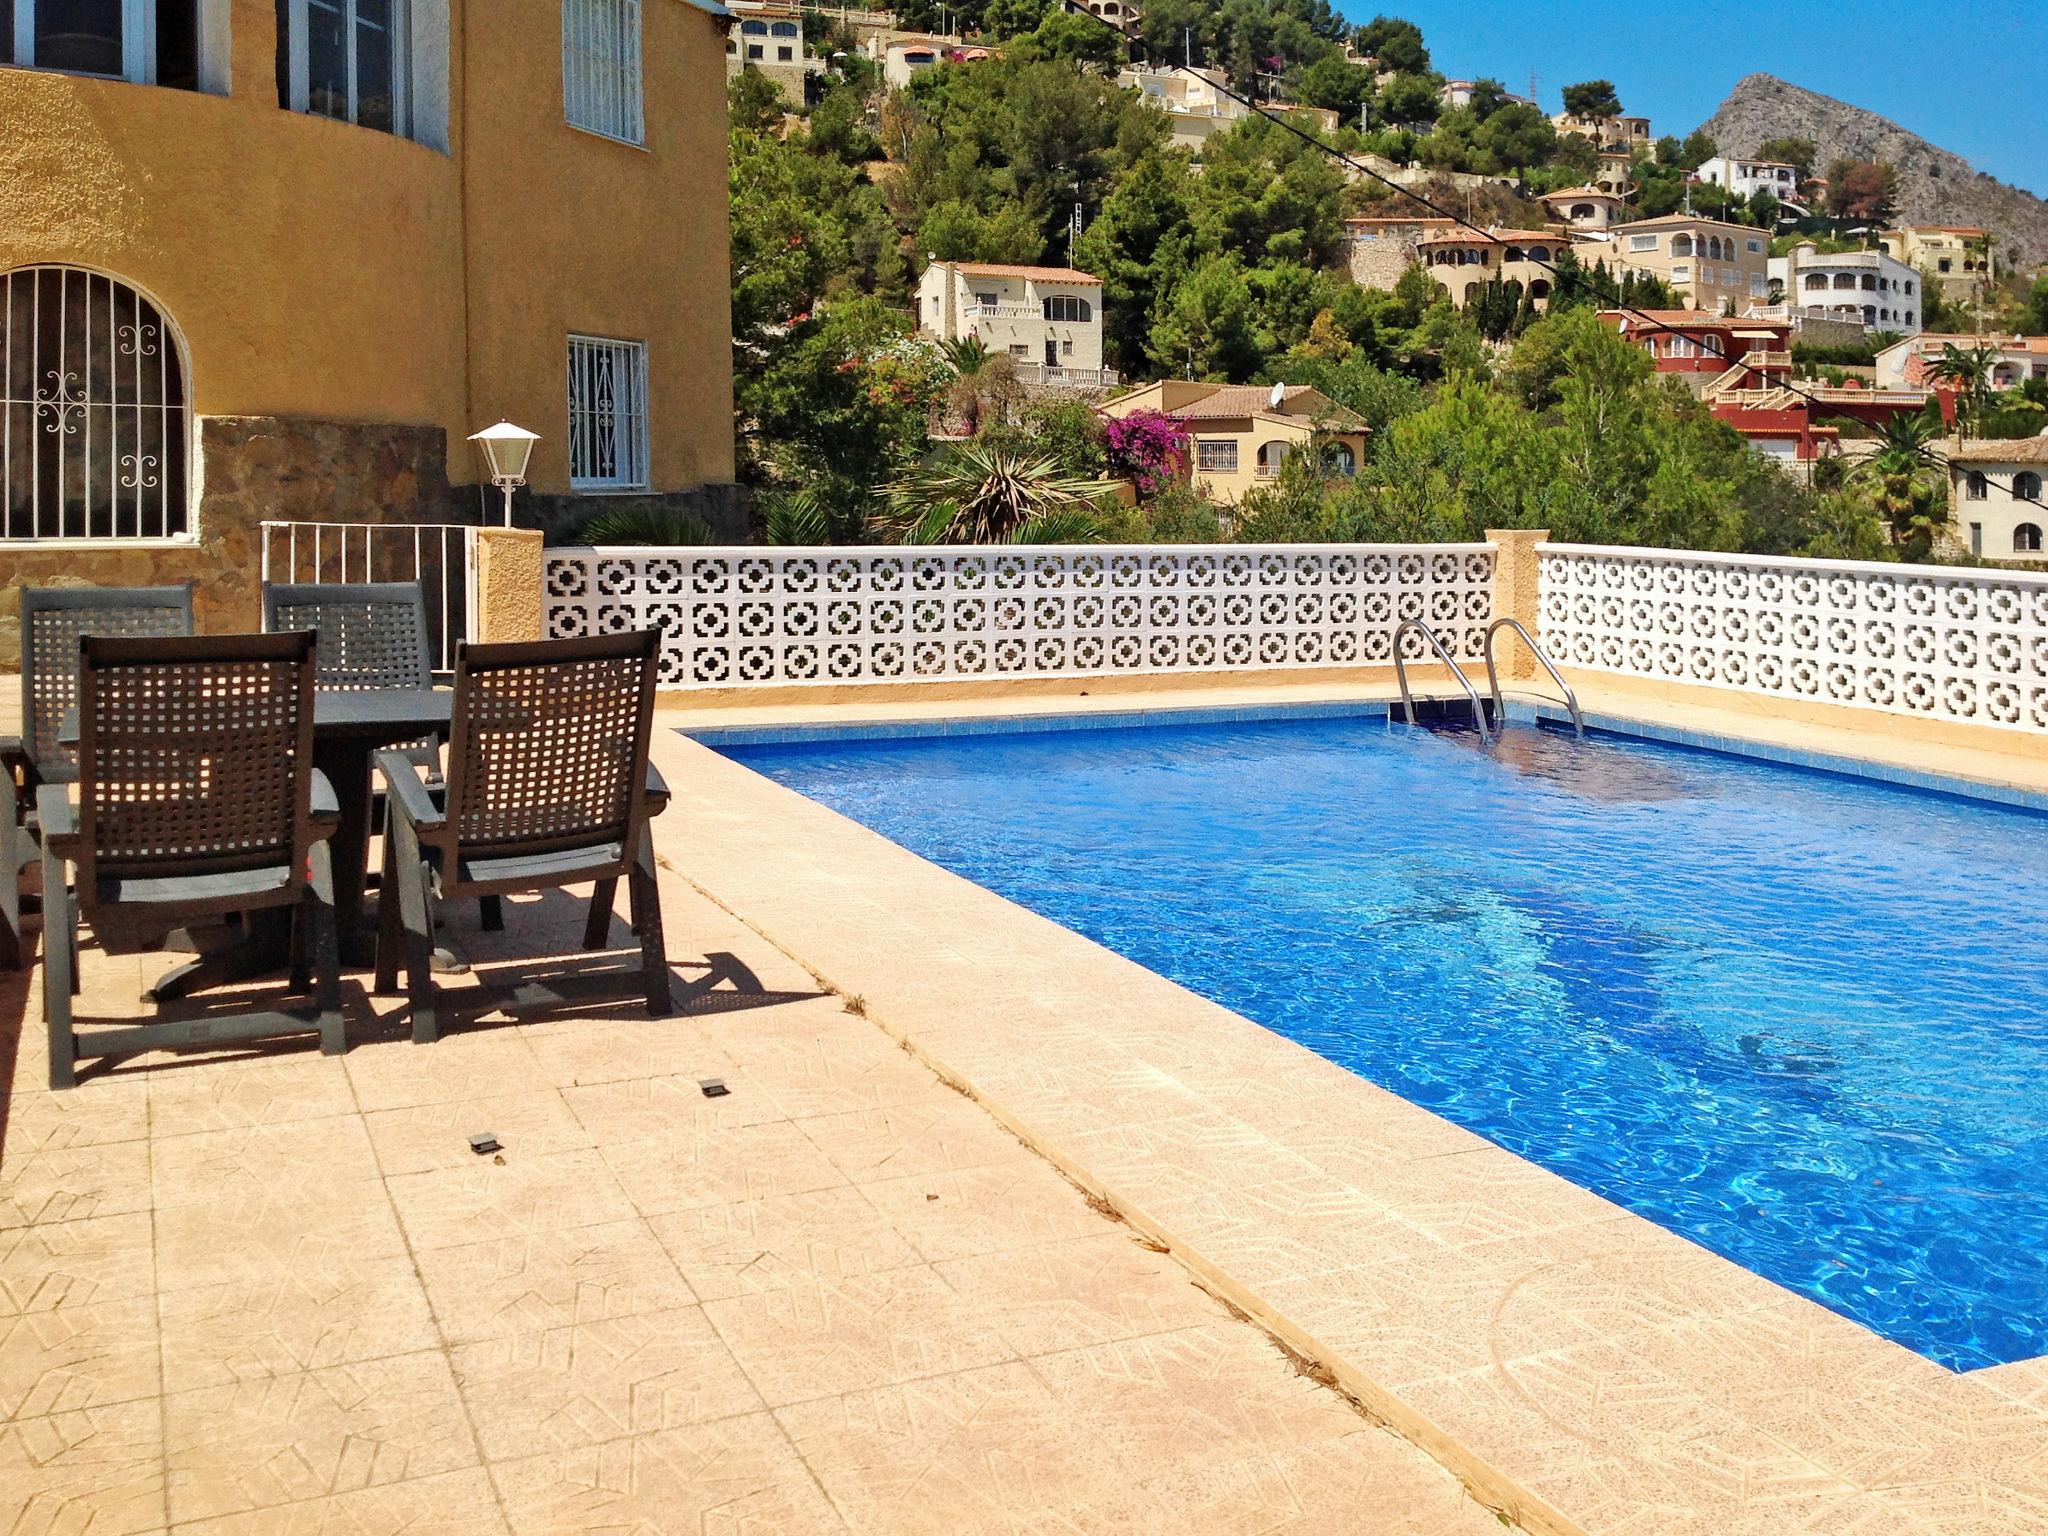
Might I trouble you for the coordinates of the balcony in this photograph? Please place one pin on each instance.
(1006, 309)
(1046, 376)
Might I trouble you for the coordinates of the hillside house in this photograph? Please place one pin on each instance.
(1048, 319)
(1241, 435)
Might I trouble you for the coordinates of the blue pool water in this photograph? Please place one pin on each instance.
(1800, 1019)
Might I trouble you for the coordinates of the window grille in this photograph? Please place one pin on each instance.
(95, 427)
(601, 81)
(607, 414)
(1216, 455)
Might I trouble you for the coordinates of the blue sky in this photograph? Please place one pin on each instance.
(1965, 74)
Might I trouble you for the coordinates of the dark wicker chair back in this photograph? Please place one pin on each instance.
(53, 620)
(194, 756)
(372, 634)
(549, 745)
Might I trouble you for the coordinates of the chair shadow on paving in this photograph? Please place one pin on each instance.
(534, 971)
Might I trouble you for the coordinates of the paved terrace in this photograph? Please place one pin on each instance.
(280, 1294)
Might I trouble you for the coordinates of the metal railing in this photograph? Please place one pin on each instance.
(1509, 621)
(1443, 655)
(441, 557)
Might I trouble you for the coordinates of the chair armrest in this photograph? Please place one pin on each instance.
(406, 793)
(57, 817)
(656, 791)
(21, 773)
(326, 806)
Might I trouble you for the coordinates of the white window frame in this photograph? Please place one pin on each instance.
(587, 419)
(1642, 242)
(1216, 455)
(138, 41)
(298, 62)
(603, 69)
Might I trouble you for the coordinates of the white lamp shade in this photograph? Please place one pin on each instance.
(507, 448)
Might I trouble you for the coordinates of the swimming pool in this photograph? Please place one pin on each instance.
(1799, 1018)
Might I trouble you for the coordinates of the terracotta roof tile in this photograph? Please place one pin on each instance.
(2014, 450)
(1029, 274)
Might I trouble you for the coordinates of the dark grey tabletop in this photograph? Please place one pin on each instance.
(376, 715)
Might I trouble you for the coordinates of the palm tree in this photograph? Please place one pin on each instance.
(984, 383)
(1970, 372)
(1904, 487)
(977, 493)
(647, 525)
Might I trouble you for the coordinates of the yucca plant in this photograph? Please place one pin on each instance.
(980, 494)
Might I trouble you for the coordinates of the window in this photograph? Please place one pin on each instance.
(985, 300)
(1271, 457)
(1909, 287)
(601, 67)
(1909, 317)
(151, 42)
(1217, 454)
(1681, 272)
(1976, 538)
(607, 414)
(1539, 253)
(1754, 247)
(1942, 265)
(1338, 459)
(754, 28)
(1068, 307)
(95, 428)
(1976, 487)
(756, 50)
(1816, 280)
(1756, 285)
(343, 59)
(1643, 242)
(785, 54)
(2027, 487)
(2026, 539)
(1681, 245)
(784, 29)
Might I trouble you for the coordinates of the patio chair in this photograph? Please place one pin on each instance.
(548, 785)
(197, 798)
(373, 634)
(52, 621)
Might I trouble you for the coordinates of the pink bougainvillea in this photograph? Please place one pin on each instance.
(1146, 447)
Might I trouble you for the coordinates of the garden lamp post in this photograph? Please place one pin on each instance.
(506, 450)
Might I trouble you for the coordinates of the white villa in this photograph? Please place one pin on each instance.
(1866, 288)
(1049, 319)
(1995, 497)
(1587, 207)
(1746, 178)
(1907, 362)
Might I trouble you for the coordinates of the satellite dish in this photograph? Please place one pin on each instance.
(1279, 396)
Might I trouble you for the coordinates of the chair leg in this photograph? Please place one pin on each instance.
(653, 946)
(325, 944)
(60, 956)
(490, 913)
(597, 928)
(301, 973)
(14, 856)
(390, 929)
(419, 934)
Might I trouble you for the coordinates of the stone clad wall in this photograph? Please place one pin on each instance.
(256, 468)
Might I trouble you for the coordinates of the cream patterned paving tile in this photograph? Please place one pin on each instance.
(530, 1393)
(995, 1208)
(1091, 1290)
(820, 1338)
(195, 1095)
(463, 1065)
(762, 1245)
(69, 1182)
(542, 1280)
(277, 1440)
(425, 1137)
(450, 1504)
(574, 1052)
(39, 1120)
(72, 1263)
(319, 1161)
(91, 1472)
(634, 1112)
(66, 1358)
(257, 1237)
(507, 1196)
(300, 1317)
(689, 1166)
(733, 1477)
(934, 1136)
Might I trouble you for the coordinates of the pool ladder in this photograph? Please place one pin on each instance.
(1435, 643)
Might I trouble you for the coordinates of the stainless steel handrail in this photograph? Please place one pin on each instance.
(1571, 699)
(1401, 673)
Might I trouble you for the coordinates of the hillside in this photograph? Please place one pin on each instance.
(1935, 186)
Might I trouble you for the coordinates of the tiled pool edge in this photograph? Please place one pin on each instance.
(1518, 710)
(838, 899)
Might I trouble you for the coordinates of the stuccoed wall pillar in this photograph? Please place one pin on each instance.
(1515, 594)
(508, 584)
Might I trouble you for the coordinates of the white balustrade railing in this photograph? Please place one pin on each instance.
(1939, 642)
(441, 557)
(869, 614)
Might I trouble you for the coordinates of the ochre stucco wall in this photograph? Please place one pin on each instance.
(339, 274)
(569, 231)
